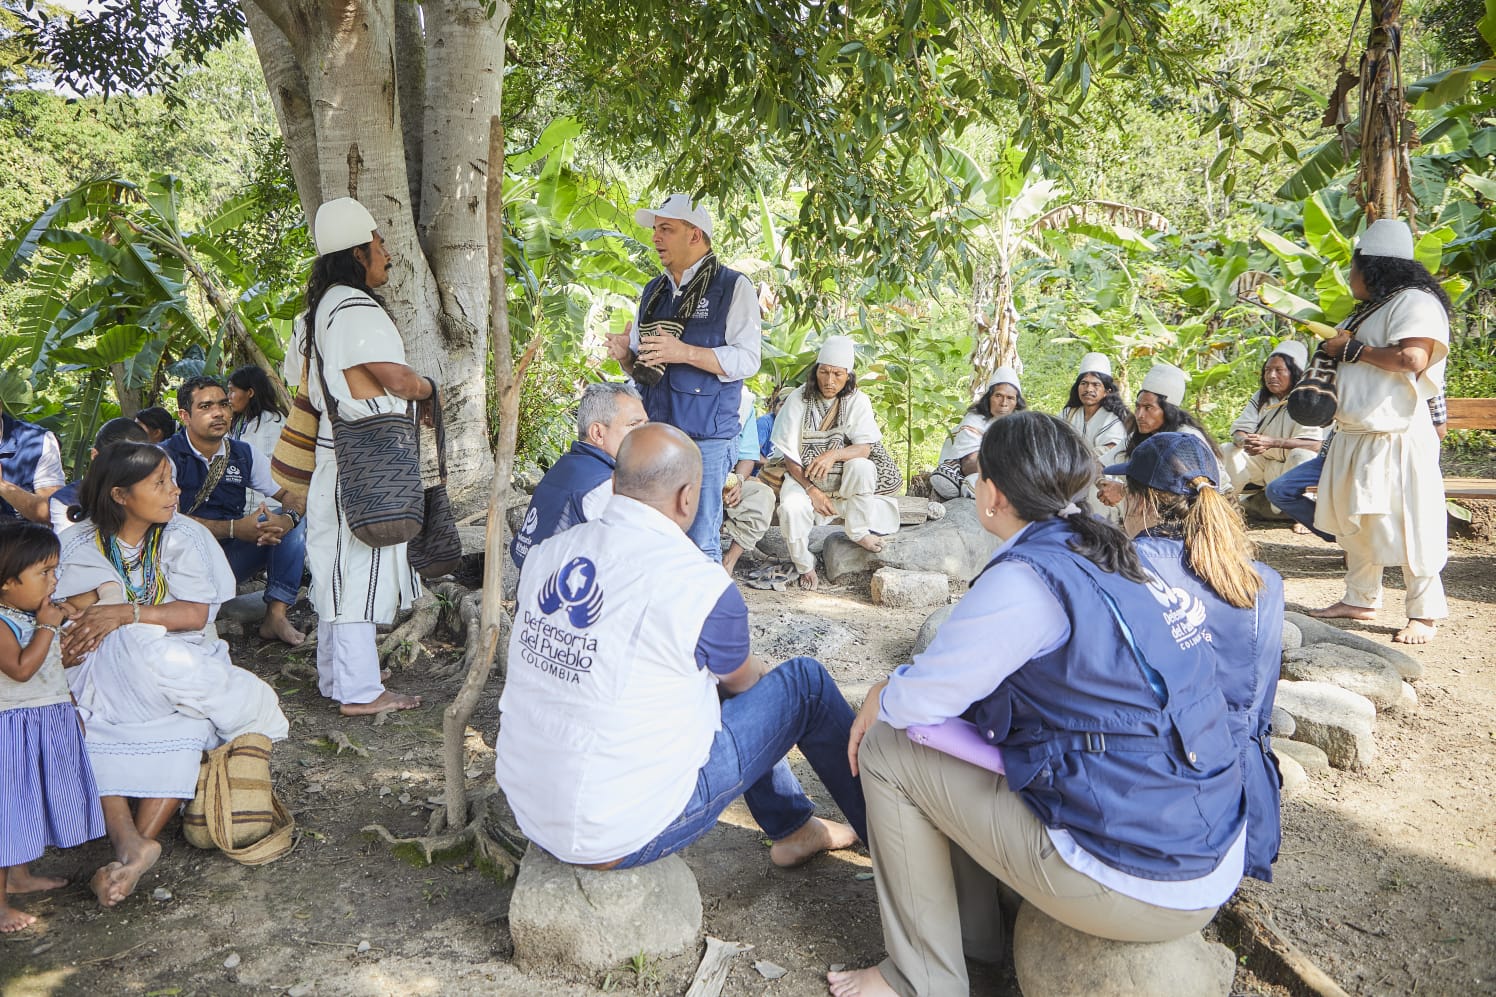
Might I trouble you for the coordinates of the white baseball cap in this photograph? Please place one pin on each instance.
(1167, 382)
(1387, 237)
(1004, 375)
(677, 206)
(342, 223)
(837, 351)
(1295, 351)
(1095, 363)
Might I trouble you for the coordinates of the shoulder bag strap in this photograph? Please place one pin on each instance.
(829, 423)
(215, 475)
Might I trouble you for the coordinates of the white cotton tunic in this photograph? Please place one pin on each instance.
(1107, 435)
(1381, 493)
(966, 438)
(263, 434)
(351, 581)
(1270, 419)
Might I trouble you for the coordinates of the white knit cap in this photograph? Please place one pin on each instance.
(1295, 351)
(1167, 382)
(1387, 237)
(342, 223)
(679, 206)
(1095, 363)
(1004, 375)
(837, 351)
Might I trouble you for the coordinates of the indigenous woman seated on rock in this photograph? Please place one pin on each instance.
(1120, 811)
(1158, 411)
(1192, 537)
(826, 433)
(956, 474)
(1097, 412)
(153, 682)
(1265, 441)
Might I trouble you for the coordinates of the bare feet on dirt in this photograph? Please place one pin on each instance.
(387, 701)
(117, 880)
(859, 983)
(277, 627)
(809, 582)
(1341, 611)
(14, 920)
(871, 543)
(1416, 632)
(20, 879)
(814, 837)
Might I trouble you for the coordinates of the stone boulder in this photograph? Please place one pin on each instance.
(1369, 675)
(1319, 632)
(1282, 722)
(955, 545)
(1333, 719)
(927, 629)
(586, 921)
(1292, 636)
(895, 587)
(1306, 756)
(772, 543)
(1407, 700)
(514, 516)
(1053, 960)
(1294, 777)
(242, 609)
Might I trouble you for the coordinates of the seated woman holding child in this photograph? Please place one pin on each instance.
(153, 682)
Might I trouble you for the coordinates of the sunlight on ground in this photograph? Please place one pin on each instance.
(37, 984)
(1399, 829)
(737, 815)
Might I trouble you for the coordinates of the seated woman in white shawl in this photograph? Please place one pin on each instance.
(956, 473)
(1097, 412)
(153, 682)
(827, 433)
(1265, 441)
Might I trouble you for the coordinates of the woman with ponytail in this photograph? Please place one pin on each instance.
(1193, 538)
(1064, 734)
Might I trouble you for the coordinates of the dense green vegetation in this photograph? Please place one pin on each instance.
(142, 233)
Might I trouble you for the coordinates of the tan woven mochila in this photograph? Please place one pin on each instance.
(235, 809)
(295, 454)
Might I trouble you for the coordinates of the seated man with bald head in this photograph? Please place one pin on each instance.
(634, 710)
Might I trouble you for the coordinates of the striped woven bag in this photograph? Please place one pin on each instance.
(235, 809)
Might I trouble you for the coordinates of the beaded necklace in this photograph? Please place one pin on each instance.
(25, 619)
(152, 588)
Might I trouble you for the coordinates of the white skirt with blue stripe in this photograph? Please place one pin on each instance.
(47, 793)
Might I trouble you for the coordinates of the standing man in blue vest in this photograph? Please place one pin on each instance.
(30, 469)
(214, 473)
(697, 335)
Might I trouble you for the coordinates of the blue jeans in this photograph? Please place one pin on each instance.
(717, 458)
(795, 704)
(1286, 491)
(282, 563)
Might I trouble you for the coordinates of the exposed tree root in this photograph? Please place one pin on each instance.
(496, 855)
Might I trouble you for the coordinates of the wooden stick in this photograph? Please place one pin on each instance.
(711, 975)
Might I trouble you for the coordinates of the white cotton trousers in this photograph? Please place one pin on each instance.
(857, 503)
(1423, 598)
(348, 662)
(746, 523)
(1245, 469)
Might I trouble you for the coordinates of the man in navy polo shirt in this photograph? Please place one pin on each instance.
(214, 473)
(697, 334)
(30, 469)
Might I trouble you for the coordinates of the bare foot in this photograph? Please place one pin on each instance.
(871, 543)
(14, 920)
(730, 559)
(117, 880)
(387, 701)
(859, 983)
(809, 582)
(1416, 632)
(1341, 611)
(814, 837)
(1301, 529)
(20, 879)
(277, 627)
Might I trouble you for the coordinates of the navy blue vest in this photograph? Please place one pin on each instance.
(1120, 736)
(228, 499)
(693, 400)
(20, 452)
(556, 505)
(1248, 649)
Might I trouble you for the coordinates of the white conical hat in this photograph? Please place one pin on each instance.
(342, 223)
(1095, 363)
(837, 351)
(1166, 381)
(1295, 351)
(1387, 237)
(1004, 375)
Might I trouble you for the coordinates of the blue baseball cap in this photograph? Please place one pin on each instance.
(1169, 462)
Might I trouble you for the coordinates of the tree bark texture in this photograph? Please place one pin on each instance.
(334, 75)
(1382, 182)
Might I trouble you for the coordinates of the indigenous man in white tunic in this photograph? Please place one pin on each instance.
(1265, 441)
(1381, 493)
(1097, 412)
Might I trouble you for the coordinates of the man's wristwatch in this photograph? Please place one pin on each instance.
(295, 519)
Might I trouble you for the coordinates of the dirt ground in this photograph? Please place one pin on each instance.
(1385, 881)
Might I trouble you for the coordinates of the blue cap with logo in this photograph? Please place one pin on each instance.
(1169, 462)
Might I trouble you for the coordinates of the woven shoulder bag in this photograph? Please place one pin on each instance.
(235, 809)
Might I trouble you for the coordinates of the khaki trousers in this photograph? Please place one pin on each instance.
(748, 521)
(941, 831)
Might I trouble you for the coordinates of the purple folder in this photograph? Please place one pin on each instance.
(961, 739)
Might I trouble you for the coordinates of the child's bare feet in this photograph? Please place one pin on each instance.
(859, 983)
(14, 920)
(814, 837)
(387, 701)
(117, 880)
(20, 879)
(1343, 611)
(1416, 632)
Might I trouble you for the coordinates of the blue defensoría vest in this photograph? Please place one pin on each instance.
(20, 451)
(556, 505)
(1120, 735)
(692, 400)
(1248, 649)
(228, 499)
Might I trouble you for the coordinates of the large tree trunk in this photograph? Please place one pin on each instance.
(996, 319)
(1382, 184)
(335, 81)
